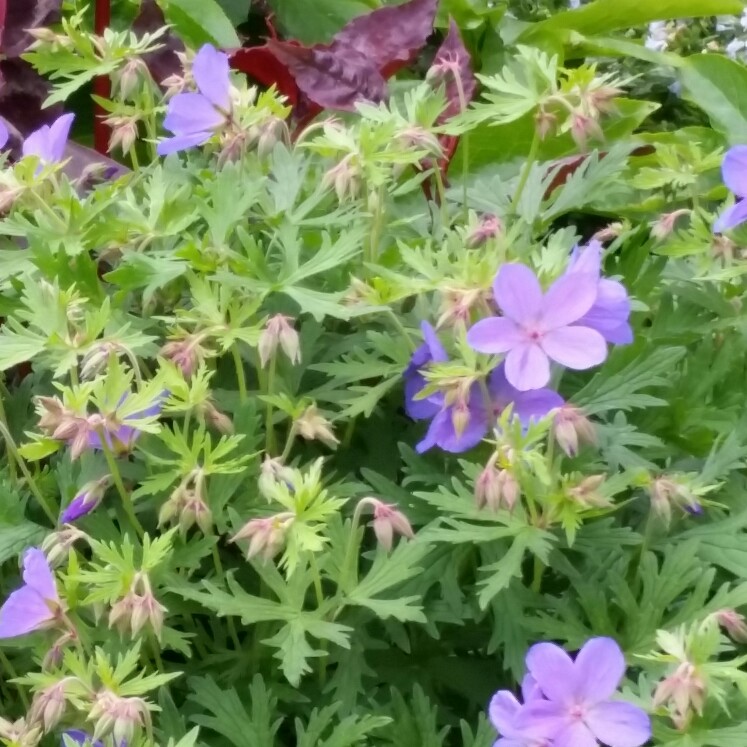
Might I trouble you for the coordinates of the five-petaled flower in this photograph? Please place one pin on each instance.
(572, 705)
(49, 141)
(194, 118)
(734, 173)
(36, 605)
(460, 422)
(536, 328)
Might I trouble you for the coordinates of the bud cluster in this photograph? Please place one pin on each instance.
(187, 505)
(137, 608)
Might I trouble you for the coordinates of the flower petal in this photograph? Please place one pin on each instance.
(535, 404)
(495, 335)
(37, 144)
(23, 612)
(541, 719)
(38, 575)
(587, 259)
(527, 367)
(575, 347)
(4, 135)
(58, 135)
(502, 711)
(442, 433)
(599, 669)
(190, 113)
(435, 348)
(622, 335)
(731, 217)
(80, 506)
(419, 409)
(568, 299)
(182, 142)
(619, 724)
(552, 670)
(610, 311)
(575, 734)
(518, 293)
(530, 690)
(734, 170)
(211, 72)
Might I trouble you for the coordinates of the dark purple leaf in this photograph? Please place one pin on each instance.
(453, 66)
(163, 62)
(22, 92)
(388, 38)
(21, 15)
(330, 77)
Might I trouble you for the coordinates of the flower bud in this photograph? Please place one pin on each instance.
(57, 545)
(278, 331)
(129, 78)
(489, 227)
(271, 133)
(51, 413)
(195, 511)
(571, 428)
(345, 178)
(684, 691)
(53, 657)
(586, 493)
(271, 473)
(609, 232)
(457, 305)
(544, 123)
(186, 354)
(668, 491)
(117, 716)
(666, 222)
(266, 535)
(723, 247)
(733, 623)
(217, 419)
(496, 488)
(315, 427)
(584, 127)
(388, 522)
(124, 133)
(48, 706)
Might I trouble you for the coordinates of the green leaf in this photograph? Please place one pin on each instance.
(200, 22)
(603, 16)
(718, 86)
(15, 538)
(317, 22)
(18, 348)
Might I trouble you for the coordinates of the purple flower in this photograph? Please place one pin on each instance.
(49, 141)
(504, 711)
(458, 424)
(734, 173)
(81, 738)
(537, 328)
(36, 604)
(122, 436)
(194, 117)
(85, 501)
(610, 311)
(4, 134)
(577, 709)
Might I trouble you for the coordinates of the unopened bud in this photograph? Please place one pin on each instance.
(345, 178)
(733, 623)
(572, 428)
(602, 99)
(457, 306)
(313, 426)
(51, 413)
(219, 420)
(666, 222)
(586, 493)
(724, 248)
(544, 123)
(496, 488)
(279, 331)
(584, 127)
(489, 227)
(271, 133)
(185, 354)
(666, 492)
(117, 716)
(48, 706)
(684, 691)
(195, 511)
(271, 473)
(53, 657)
(124, 133)
(609, 232)
(266, 535)
(130, 77)
(388, 522)
(57, 545)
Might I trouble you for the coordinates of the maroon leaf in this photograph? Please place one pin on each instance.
(21, 15)
(388, 38)
(261, 64)
(453, 66)
(163, 62)
(331, 79)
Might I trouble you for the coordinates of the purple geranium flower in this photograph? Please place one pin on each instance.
(474, 414)
(49, 141)
(82, 738)
(122, 437)
(537, 328)
(194, 117)
(610, 311)
(4, 134)
(85, 500)
(577, 709)
(504, 711)
(734, 173)
(36, 604)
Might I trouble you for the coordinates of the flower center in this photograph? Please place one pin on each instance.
(577, 713)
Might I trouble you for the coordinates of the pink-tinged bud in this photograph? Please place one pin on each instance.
(129, 79)
(20, 733)
(124, 133)
(602, 99)
(52, 413)
(117, 716)
(584, 127)
(496, 488)
(57, 545)
(388, 522)
(271, 473)
(315, 427)
(572, 428)
(586, 493)
(217, 419)
(724, 248)
(345, 178)
(545, 123)
(489, 227)
(414, 137)
(195, 511)
(186, 355)
(457, 305)
(266, 535)
(684, 691)
(460, 415)
(666, 492)
(279, 331)
(733, 623)
(271, 132)
(609, 233)
(664, 226)
(48, 706)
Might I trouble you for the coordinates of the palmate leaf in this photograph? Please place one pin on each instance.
(223, 712)
(349, 732)
(414, 722)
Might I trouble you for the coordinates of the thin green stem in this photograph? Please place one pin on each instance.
(539, 570)
(289, 441)
(47, 210)
(441, 189)
(11, 457)
(229, 620)
(270, 389)
(376, 225)
(527, 170)
(400, 327)
(321, 661)
(240, 374)
(127, 504)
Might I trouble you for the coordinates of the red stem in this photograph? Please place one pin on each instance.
(101, 86)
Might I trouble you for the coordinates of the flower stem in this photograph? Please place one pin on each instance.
(270, 388)
(221, 574)
(531, 158)
(127, 505)
(240, 375)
